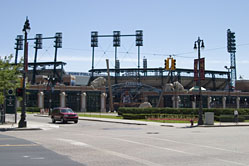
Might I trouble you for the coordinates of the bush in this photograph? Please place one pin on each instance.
(188, 111)
(246, 117)
(230, 118)
(29, 109)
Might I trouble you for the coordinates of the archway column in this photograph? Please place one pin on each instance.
(103, 102)
(62, 99)
(41, 99)
(83, 102)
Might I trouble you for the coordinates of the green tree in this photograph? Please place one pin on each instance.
(10, 75)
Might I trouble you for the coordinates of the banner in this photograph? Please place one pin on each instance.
(202, 68)
(196, 70)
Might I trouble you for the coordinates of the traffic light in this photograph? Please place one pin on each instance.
(231, 45)
(166, 64)
(19, 92)
(173, 64)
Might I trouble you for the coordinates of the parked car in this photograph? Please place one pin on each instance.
(64, 115)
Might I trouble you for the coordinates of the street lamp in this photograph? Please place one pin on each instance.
(198, 45)
(26, 28)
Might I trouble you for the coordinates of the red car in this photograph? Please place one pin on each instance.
(64, 115)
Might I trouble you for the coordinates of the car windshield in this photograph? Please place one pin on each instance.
(67, 111)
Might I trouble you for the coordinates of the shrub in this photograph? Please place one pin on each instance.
(29, 109)
(188, 111)
(230, 118)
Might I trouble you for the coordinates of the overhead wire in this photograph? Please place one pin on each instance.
(127, 52)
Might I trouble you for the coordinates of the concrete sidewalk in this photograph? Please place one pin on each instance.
(183, 125)
(137, 122)
(42, 126)
(30, 126)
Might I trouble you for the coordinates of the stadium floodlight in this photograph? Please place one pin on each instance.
(94, 39)
(116, 38)
(38, 41)
(58, 40)
(139, 38)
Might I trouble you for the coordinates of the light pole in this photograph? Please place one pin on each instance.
(229, 77)
(229, 83)
(198, 45)
(23, 123)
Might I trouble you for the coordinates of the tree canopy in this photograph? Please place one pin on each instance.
(10, 76)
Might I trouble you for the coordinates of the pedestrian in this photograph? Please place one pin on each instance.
(236, 114)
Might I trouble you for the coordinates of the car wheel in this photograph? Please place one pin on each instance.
(53, 120)
(76, 121)
(63, 120)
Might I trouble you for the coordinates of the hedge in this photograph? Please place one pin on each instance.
(230, 118)
(188, 111)
(29, 109)
(158, 116)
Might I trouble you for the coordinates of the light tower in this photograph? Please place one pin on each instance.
(231, 48)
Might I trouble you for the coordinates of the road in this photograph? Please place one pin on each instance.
(94, 143)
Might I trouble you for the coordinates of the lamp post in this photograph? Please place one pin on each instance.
(198, 45)
(23, 123)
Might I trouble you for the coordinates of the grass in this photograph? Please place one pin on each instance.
(167, 121)
(120, 117)
(99, 116)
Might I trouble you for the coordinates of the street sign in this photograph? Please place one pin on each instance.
(10, 104)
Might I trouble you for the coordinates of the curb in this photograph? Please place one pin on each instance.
(99, 120)
(238, 125)
(18, 129)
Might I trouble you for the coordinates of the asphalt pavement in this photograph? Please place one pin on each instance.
(15, 151)
(31, 125)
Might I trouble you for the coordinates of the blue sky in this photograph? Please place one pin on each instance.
(170, 27)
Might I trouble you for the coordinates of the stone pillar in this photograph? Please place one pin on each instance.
(62, 99)
(146, 99)
(40, 99)
(18, 103)
(224, 101)
(238, 102)
(193, 104)
(83, 102)
(103, 102)
(175, 100)
(209, 100)
(178, 101)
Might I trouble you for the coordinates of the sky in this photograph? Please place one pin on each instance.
(170, 27)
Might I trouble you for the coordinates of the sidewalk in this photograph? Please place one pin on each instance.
(30, 126)
(182, 125)
(41, 126)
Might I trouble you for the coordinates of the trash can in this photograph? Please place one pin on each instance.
(209, 118)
